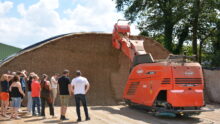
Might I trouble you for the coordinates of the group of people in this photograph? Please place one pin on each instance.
(16, 86)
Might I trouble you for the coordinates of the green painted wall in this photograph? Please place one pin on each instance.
(6, 50)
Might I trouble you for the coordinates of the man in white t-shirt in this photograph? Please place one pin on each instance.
(80, 87)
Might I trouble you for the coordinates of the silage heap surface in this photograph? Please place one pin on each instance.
(106, 68)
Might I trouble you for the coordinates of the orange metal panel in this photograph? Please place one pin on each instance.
(187, 98)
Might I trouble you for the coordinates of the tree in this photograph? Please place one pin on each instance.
(180, 25)
(195, 19)
(157, 17)
(207, 29)
(216, 47)
(182, 37)
(206, 26)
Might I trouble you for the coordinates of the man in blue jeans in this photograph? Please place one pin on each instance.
(37, 102)
(80, 87)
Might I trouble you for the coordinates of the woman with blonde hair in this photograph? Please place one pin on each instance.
(4, 94)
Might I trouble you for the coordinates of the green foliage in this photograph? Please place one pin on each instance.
(159, 38)
(190, 26)
(156, 17)
(188, 50)
(216, 46)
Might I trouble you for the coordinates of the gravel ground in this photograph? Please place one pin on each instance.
(118, 115)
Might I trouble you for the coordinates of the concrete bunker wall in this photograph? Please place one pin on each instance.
(212, 85)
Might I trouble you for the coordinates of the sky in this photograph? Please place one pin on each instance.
(25, 22)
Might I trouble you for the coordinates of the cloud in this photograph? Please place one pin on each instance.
(5, 7)
(50, 4)
(21, 9)
(97, 15)
(42, 20)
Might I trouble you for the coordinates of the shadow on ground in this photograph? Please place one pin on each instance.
(33, 120)
(58, 122)
(143, 115)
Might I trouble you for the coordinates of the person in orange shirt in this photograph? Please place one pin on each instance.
(36, 88)
(4, 94)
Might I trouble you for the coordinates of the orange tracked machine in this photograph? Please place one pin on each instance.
(174, 85)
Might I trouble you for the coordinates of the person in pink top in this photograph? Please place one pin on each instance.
(36, 88)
